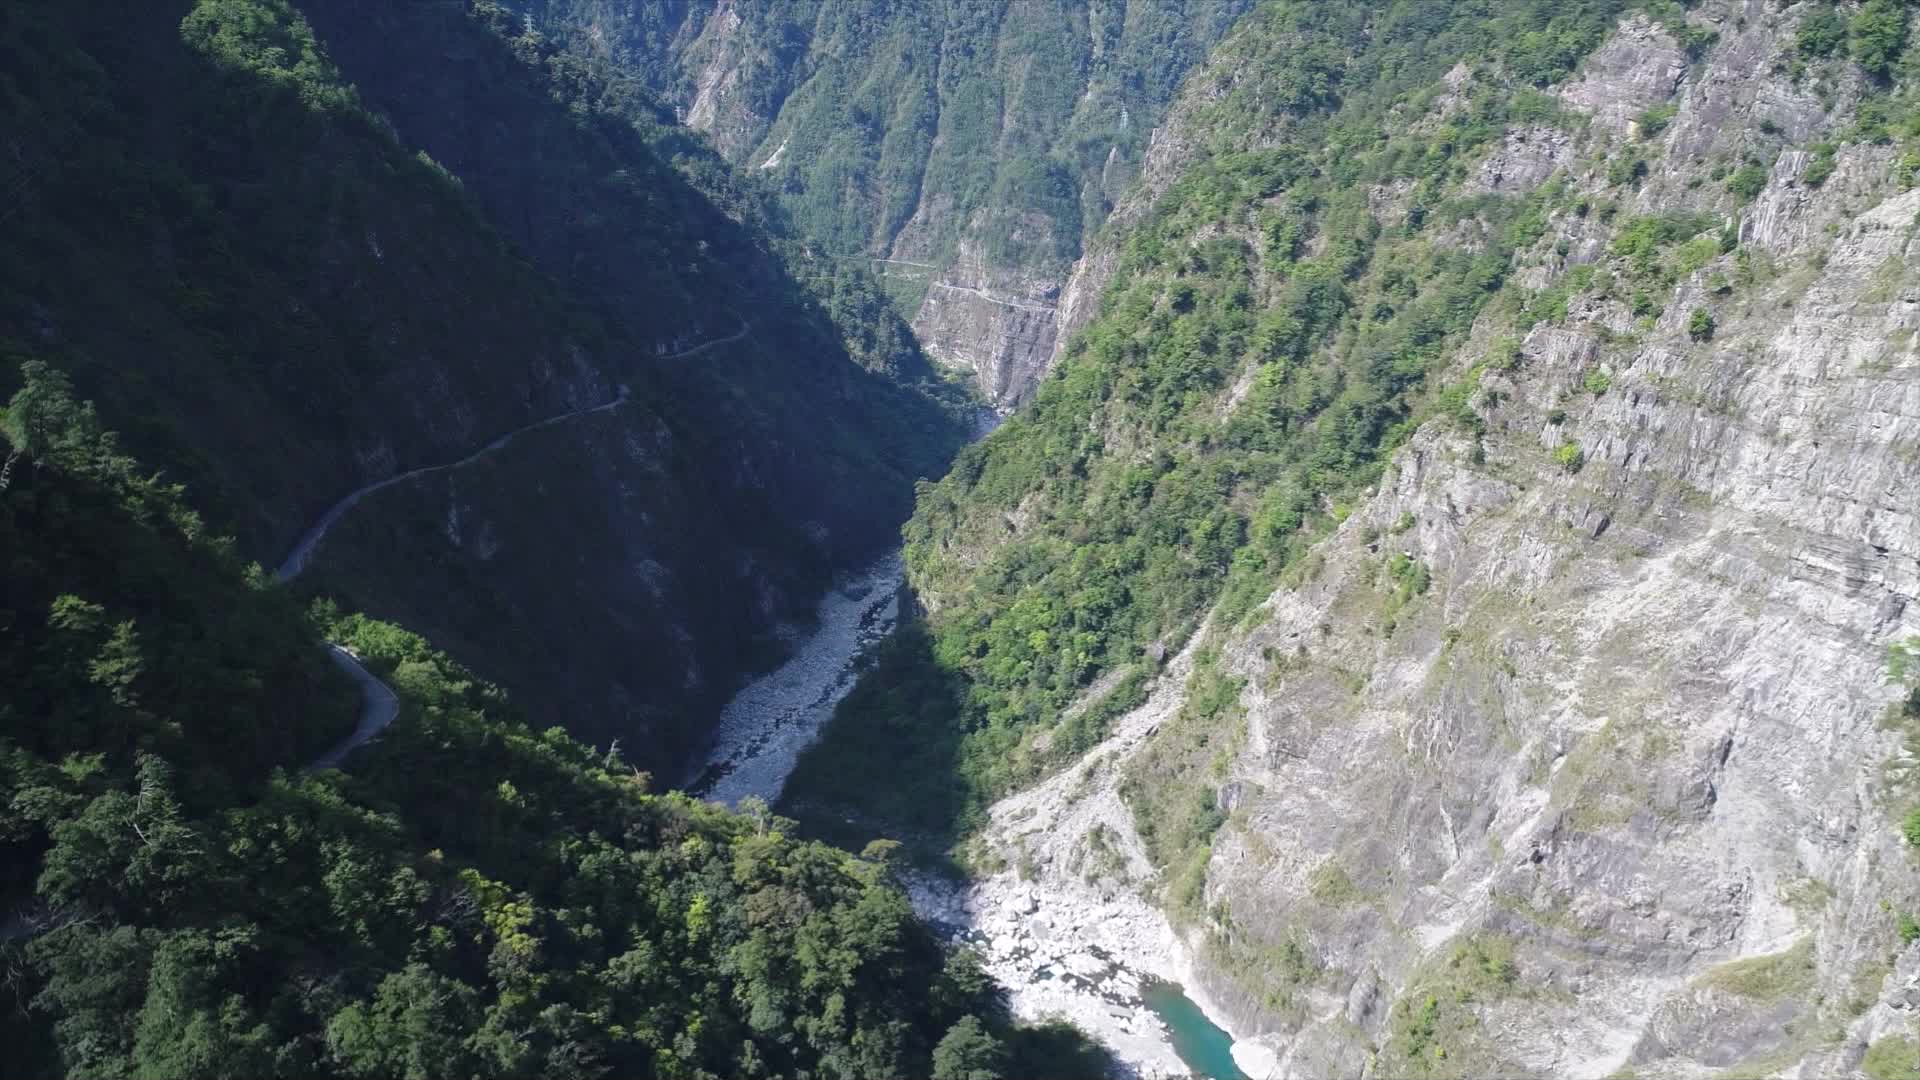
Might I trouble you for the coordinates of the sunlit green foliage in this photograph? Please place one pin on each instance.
(1266, 341)
(1892, 1057)
(1173, 786)
(1747, 181)
(472, 897)
(1822, 32)
(1877, 34)
(1821, 166)
(1012, 126)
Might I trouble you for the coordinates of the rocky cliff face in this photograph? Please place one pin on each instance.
(1615, 789)
(963, 150)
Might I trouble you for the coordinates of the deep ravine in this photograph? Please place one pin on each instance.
(1110, 964)
(1067, 946)
(765, 727)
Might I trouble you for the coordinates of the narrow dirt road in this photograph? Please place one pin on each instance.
(302, 552)
(378, 703)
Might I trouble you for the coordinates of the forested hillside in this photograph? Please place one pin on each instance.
(1450, 608)
(282, 288)
(1442, 601)
(965, 150)
(1263, 346)
(473, 898)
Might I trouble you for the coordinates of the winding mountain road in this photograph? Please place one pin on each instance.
(745, 327)
(302, 552)
(379, 705)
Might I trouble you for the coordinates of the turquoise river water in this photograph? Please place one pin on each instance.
(1206, 1049)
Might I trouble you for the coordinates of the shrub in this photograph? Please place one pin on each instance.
(1821, 166)
(1655, 119)
(1878, 34)
(1907, 169)
(1696, 253)
(1700, 325)
(1505, 354)
(1570, 457)
(1892, 1058)
(1769, 977)
(1821, 33)
(1641, 238)
(1747, 181)
(1628, 169)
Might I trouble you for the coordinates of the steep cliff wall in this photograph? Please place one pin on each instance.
(1505, 422)
(1571, 750)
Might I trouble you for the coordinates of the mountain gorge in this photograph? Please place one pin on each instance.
(1441, 591)
(618, 485)
(1445, 593)
(967, 152)
(384, 314)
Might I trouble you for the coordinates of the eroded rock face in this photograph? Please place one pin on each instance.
(999, 323)
(1639, 66)
(1619, 790)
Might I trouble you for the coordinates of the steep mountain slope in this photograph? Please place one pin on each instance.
(273, 283)
(967, 150)
(473, 898)
(1461, 579)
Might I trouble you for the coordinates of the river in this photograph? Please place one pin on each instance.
(1153, 1027)
(1151, 1024)
(767, 725)
(772, 719)
(1205, 1049)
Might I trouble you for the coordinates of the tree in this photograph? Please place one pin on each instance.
(1879, 34)
(968, 1052)
(96, 981)
(416, 1027)
(131, 852)
(1748, 181)
(42, 420)
(1821, 33)
(191, 1025)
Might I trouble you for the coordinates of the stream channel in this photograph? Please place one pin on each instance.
(767, 725)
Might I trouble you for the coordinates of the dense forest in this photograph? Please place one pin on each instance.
(560, 318)
(286, 263)
(1310, 600)
(471, 897)
(216, 243)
